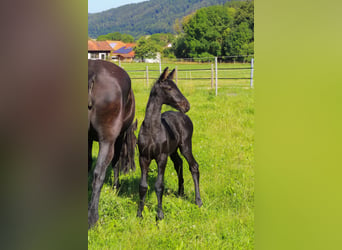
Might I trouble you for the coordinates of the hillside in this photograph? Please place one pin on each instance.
(154, 16)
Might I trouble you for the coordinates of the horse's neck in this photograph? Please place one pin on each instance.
(153, 114)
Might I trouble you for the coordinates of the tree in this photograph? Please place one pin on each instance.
(162, 39)
(203, 31)
(245, 14)
(180, 48)
(116, 36)
(126, 38)
(221, 30)
(146, 48)
(238, 42)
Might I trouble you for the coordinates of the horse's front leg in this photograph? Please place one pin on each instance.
(159, 185)
(144, 165)
(106, 151)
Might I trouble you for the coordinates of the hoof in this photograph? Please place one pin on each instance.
(139, 214)
(160, 215)
(199, 202)
(116, 186)
(93, 216)
(181, 192)
(91, 222)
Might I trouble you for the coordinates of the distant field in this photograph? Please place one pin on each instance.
(223, 146)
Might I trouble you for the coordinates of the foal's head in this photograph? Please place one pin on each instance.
(168, 91)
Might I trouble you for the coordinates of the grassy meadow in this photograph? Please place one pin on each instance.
(223, 147)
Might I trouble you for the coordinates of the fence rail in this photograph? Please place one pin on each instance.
(193, 73)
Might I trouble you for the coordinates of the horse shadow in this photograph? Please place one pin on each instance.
(129, 186)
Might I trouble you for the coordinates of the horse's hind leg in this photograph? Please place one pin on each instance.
(90, 157)
(144, 165)
(106, 152)
(186, 150)
(117, 162)
(178, 164)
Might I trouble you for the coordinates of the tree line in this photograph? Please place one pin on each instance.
(219, 30)
(144, 18)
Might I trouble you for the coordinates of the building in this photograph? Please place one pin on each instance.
(98, 50)
(115, 50)
(122, 51)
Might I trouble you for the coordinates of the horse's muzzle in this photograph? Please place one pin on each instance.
(184, 106)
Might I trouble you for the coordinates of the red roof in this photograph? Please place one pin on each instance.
(115, 45)
(111, 46)
(128, 55)
(131, 45)
(98, 46)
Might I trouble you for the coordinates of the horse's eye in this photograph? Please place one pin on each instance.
(167, 87)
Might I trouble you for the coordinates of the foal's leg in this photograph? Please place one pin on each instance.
(90, 157)
(144, 165)
(106, 152)
(178, 164)
(186, 150)
(159, 185)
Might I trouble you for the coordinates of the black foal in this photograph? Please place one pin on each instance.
(161, 135)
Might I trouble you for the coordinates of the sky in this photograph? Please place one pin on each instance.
(95, 6)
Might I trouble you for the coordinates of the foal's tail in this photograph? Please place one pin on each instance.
(126, 161)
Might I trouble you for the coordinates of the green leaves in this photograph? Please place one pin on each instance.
(218, 31)
(239, 40)
(116, 36)
(146, 48)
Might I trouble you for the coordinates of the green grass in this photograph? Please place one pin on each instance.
(223, 146)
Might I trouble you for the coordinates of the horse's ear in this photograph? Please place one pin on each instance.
(171, 75)
(164, 74)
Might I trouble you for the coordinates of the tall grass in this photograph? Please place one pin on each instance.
(223, 146)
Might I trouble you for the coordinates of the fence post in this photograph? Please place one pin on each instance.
(147, 76)
(212, 76)
(216, 76)
(252, 71)
(160, 71)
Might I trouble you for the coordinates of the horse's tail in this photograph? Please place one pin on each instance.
(126, 161)
(91, 81)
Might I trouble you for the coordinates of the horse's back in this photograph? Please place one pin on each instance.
(110, 76)
(111, 97)
(178, 125)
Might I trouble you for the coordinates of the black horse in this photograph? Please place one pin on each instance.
(161, 135)
(111, 109)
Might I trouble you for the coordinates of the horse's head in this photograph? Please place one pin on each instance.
(169, 93)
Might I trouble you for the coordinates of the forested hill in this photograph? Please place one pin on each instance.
(154, 16)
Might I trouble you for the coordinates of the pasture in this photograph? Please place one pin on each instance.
(223, 142)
